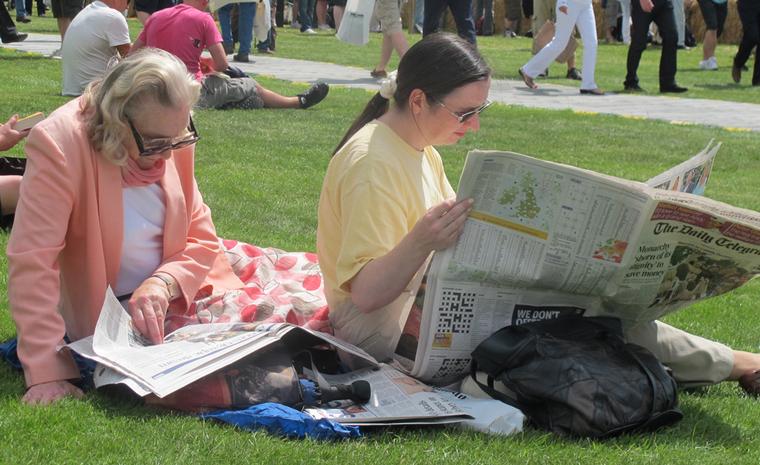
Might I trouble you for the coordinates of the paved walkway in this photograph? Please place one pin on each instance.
(682, 110)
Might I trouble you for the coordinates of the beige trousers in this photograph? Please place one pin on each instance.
(695, 361)
(543, 11)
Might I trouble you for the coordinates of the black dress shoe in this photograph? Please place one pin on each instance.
(673, 89)
(596, 91)
(736, 74)
(750, 382)
(633, 88)
(17, 37)
(23, 19)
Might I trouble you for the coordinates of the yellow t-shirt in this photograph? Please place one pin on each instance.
(376, 188)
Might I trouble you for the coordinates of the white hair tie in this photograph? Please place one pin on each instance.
(388, 86)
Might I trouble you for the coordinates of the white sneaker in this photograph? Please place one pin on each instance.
(57, 54)
(709, 64)
(324, 27)
(309, 31)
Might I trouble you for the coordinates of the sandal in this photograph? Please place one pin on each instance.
(378, 73)
(527, 79)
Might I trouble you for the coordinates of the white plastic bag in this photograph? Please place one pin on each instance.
(263, 20)
(354, 27)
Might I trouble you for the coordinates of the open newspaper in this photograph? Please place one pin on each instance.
(545, 240)
(195, 351)
(188, 353)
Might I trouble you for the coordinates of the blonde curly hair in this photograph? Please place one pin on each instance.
(148, 75)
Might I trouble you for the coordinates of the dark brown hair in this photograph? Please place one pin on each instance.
(438, 64)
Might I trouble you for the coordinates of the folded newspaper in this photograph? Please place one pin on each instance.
(546, 240)
(194, 351)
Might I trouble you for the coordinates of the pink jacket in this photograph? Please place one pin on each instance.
(65, 246)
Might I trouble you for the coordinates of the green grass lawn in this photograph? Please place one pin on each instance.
(506, 55)
(261, 172)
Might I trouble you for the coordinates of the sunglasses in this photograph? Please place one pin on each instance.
(464, 116)
(149, 147)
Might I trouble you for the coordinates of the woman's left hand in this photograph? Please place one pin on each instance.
(148, 307)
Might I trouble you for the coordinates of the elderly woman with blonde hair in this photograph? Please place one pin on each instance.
(109, 198)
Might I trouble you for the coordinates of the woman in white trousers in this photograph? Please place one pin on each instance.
(570, 13)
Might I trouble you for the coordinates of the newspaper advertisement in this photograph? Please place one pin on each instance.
(546, 240)
(397, 399)
(186, 354)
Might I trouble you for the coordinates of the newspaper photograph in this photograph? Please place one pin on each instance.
(546, 240)
(690, 176)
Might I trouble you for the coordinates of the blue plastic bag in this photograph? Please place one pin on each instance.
(281, 420)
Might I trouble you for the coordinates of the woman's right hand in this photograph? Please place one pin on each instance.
(48, 393)
(441, 226)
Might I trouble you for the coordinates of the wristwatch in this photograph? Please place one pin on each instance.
(171, 284)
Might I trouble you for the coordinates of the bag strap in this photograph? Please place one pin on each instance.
(489, 389)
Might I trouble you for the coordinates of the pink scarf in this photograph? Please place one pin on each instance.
(134, 176)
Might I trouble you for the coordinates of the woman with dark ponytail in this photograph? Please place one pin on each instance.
(386, 204)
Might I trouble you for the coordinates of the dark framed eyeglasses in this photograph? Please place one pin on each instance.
(149, 147)
(464, 116)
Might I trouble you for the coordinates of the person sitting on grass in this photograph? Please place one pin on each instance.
(185, 31)
(96, 35)
(109, 198)
(386, 206)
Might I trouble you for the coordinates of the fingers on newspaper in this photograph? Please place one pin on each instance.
(195, 351)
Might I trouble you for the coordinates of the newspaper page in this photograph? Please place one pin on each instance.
(690, 176)
(691, 248)
(186, 355)
(397, 399)
(545, 240)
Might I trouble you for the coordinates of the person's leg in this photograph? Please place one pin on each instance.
(433, 11)
(8, 31)
(564, 28)
(304, 14)
(338, 15)
(710, 40)
(756, 69)
(462, 11)
(21, 11)
(695, 361)
(680, 17)
(225, 24)
(386, 50)
(9, 189)
(419, 14)
(586, 24)
(542, 12)
(487, 17)
(63, 26)
(748, 14)
(321, 10)
(625, 7)
(246, 15)
(666, 25)
(639, 29)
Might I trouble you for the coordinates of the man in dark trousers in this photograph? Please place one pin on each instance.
(8, 31)
(643, 13)
(460, 9)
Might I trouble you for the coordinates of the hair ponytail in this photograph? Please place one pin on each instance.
(376, 107)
